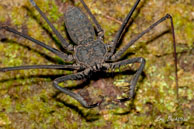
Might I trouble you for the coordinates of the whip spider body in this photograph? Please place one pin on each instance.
(90, 53)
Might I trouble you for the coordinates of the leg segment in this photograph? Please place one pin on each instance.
(5, 69)
(62, 55)
(99, 29)
(122, 28)
(59, 36)
(76, 96)
(135, 78)
(118, 54)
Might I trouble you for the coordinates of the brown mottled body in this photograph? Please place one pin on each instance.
(90, 54)
(78, 26)
(89, 51)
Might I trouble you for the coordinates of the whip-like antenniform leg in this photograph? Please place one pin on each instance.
(122, 28)
(59, 36)
(62, 55)
(5, 69)
(119, 53)
(100, 31)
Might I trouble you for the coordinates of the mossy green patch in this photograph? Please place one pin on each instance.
(28, 99)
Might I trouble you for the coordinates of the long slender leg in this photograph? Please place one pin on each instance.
(120, 52)
(136, 76)
(62, 55)
(59, 36)
(122, 28)
(100, 31)
(5, 69)
(76, 96)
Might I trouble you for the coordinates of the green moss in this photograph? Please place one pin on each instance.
(4, 120)
(27, 96)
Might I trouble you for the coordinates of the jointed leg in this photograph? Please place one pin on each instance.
(63, 41)
(5, 69)
(118, 54)
(99, 29)
(76, 96)
(122, 28)
(62, 55)
(136, 76)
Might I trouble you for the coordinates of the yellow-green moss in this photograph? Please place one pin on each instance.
(29, 99)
